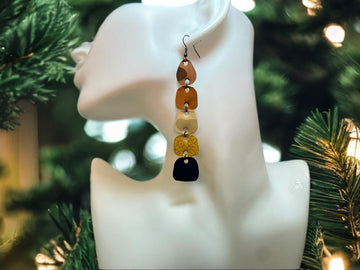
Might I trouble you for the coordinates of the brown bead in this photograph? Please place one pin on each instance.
(186, 121)
(186, 145)
(185, 72)
(189, 97)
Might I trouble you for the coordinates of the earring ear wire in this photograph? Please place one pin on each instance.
(195, 48)
(186, 47)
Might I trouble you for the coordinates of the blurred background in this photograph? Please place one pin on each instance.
(306, 56)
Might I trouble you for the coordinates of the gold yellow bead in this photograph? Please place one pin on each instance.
(186, 145)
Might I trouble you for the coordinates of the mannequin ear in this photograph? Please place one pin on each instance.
(80, 53)
(214, 12)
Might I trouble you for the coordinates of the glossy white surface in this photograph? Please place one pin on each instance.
(241, 213)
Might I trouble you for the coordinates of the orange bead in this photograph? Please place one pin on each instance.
(186, 94)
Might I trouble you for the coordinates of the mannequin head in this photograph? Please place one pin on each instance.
(134, 53)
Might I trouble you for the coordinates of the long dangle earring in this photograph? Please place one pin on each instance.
(186, 145)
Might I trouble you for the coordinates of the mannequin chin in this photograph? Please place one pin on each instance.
(241, 213)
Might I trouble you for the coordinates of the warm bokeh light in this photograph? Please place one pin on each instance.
(44, 262)
(313, 4)
(243, 5)
(335, 33)
(41, 258)
(168, 2)
(336, 263)
(271, 154)
(47, 267)
(311, 12)
(353, 149)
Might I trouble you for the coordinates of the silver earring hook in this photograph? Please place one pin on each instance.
(186, 47)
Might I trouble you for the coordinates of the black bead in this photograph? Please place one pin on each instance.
(186, 169)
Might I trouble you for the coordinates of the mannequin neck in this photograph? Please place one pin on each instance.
(231, 160)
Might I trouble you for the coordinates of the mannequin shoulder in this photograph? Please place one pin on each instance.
(104, 177)
(291, 175)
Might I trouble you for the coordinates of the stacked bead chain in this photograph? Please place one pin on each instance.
(186, 145)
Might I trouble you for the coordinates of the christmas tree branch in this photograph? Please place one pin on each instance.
(36, 37)
(335, 187)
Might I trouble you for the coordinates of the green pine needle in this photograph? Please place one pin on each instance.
(313, 247)
(74, 248)
(36, 37)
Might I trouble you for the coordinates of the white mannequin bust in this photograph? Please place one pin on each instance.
(241, 213)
